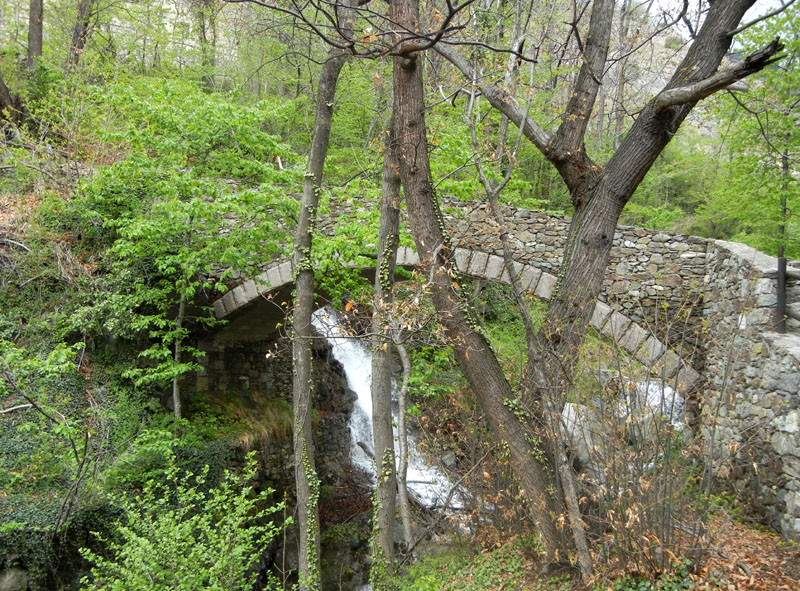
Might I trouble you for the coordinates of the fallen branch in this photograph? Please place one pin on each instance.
(13, 408)
(15, 243)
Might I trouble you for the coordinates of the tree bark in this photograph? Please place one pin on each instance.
(386, 485)
(176, 387)
(80, 32)
(7, 102)
(402, 436)
(598, 195)
(35, 28)
(472, 351)
(206, 17)
(306, 479)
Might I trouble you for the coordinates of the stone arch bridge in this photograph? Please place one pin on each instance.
(699, 312)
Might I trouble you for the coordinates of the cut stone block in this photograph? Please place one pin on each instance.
(686, 379)
(505, 278)
(462, 259)
(239, 297)
(545, 287)
(285, 272)
(219, 309)
(407, 257)
(477, 265)
(601, 312)
(668, 365)
(274, 276)
(650, 351)
(530, 277)
(229, 303)
(616, 326)
(633, 338)
(494, 268)
(250, 290)
(263, 283)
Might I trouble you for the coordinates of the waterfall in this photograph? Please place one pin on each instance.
(427, 483)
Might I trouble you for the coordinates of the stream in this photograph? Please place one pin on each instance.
(426, 483)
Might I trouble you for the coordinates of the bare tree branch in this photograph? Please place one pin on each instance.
(778, 10)
(704, 88)
(13, 408)
(499, 99)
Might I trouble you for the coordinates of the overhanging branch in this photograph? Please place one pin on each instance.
(699, 90)
(498, 98)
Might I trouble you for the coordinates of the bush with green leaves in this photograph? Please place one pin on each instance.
(179, 125)
(180, 535)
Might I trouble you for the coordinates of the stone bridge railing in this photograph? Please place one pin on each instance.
(656, 279)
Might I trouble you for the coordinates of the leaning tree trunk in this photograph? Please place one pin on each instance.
(305, 472)
(7, 102)
(472, 351)
(382, 569)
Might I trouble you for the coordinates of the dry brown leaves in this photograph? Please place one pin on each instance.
(749, 559)
(15, 208)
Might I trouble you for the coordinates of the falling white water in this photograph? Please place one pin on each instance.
(655, 395)
(427, 483)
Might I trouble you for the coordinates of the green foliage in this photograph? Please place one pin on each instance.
(193, 444)
(176, 536)
(44, 445)
(462, 570)
(434, 373)
(656, 218)
(676, 184)
(763, 142)
(339, 255)
(177, 123)
(679, 580)
(171, 223)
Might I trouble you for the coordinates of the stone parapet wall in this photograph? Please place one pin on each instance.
(751, 421)
(653, 277)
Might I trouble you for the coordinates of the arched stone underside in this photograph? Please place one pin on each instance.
(630, 336)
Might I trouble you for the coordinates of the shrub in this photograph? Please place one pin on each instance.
(175, 536)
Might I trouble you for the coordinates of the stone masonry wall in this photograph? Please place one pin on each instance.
(242, 369)
(653, 277)
(751, 420)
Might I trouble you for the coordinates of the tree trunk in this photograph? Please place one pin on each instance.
(176, 388)
(207, 28)
(472, 351)
(80, 32)
(35, 27)
(305, 472)
(382, 569)
(598, 195)
(7, 103)
(402, 436)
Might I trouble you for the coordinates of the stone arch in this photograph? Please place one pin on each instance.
(636, 340)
